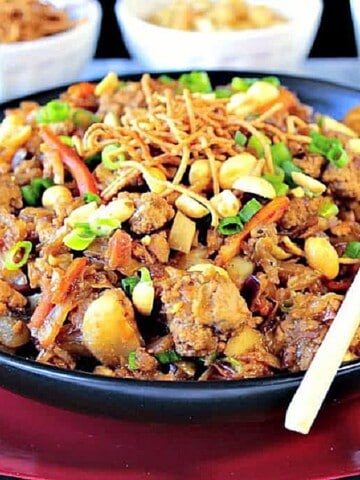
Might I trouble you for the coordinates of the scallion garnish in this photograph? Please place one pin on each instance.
(196, 82)
(53, 112)
(78, 239)
(32, 193)
(239, 84)
(67, 140)
(289, 167)
(20, 249)
(280, 153)
(165, 79)
(352, 250)
(91, 197)
(111, 160)
(249, 210)
(145, 275)
(223, 93)
(240, 139)
(230, 225)
(331, 148)
(129, 283)
(169, 356)
(328, 210)
(82, 118)
(256, 144)
(132, 363)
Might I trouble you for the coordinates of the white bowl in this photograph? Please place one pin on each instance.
(355, 13)
(31, 66)
(281, 46)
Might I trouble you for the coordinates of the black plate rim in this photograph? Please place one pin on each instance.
(179, 387)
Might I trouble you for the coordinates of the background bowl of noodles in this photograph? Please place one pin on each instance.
(33, 64)
(264, 34)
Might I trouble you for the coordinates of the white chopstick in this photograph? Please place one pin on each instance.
(313, 388)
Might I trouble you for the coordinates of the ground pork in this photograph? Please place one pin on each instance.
(152, 212)
(202, 309)
(296, 338)
(344, 182)
(10, 197)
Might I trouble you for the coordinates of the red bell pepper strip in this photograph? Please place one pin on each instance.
(78, 169)
(271, 212)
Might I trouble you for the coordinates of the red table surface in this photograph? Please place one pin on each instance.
(42, 442)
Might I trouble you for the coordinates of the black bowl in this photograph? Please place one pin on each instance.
(252, 400)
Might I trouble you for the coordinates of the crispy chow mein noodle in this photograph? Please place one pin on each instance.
(23, 20)
(168, 228)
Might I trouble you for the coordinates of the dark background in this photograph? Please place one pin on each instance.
(335, 37)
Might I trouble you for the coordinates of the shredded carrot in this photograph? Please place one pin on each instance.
(270, 213)
(82, 89)
(42, 310)
(72, 275)
(286, 98)
(119, 249)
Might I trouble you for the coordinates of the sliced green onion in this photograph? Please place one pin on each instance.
(100, 227)
(328, 210)
(67, 140)
(280, 153)
(93, 161)
(239, 84)
(198, 82)
(256, 144)
(103, 227)
(280, 189)
(289, 167)
(230, 225)
(129, 283)
(20, 248)
(82, 118)
(132, 363)
(272, 80)
(144, 275)
(165, 79)
(40, 185)
(91, 197)
(108, 159)
(53, 112)
(240, 139)
(78, 239)
(352, 250)
(232, 361)
(169, 356)
(29, 196)
(223, 93)
(249, 210)
(331, 148)
(338, 156)
(32, 193)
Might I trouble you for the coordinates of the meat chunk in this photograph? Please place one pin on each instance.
(301, 214)
(311, 164)
(152, 212)
(12, 229)
(297, 337)
(27, 170)
(10, 298)
(344, 182)
(10, 197)
(202, 309)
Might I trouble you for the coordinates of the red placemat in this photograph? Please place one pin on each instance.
(41, 442)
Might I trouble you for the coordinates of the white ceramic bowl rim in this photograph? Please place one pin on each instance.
(92, 8)
(125, 7)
